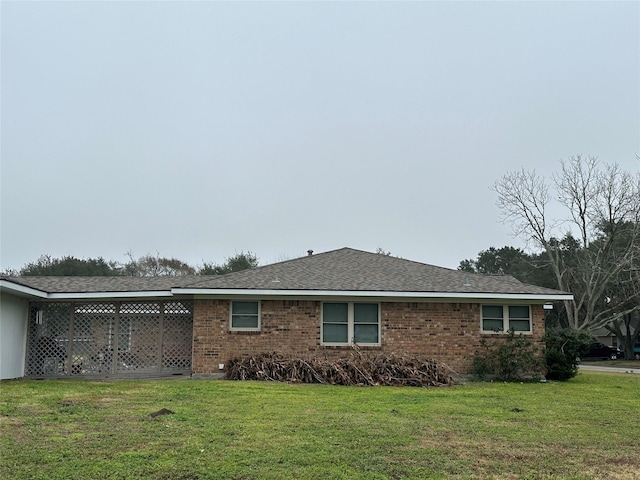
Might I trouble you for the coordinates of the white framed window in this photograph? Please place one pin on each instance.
(504, 318)
(245, 315)
(346, 323)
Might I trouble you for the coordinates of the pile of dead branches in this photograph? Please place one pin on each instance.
(358, 369)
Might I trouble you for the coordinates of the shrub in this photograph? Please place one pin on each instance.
(510, 358)
(563, 350)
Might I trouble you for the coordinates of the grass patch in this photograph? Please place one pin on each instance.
(586, 428)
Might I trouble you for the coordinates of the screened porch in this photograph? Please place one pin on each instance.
(107, 339)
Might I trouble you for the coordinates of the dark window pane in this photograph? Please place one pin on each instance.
(240, 308)
(519, 325)
(334, 333)
(335, 312)
(365, 313)
(244, 321)
(365, 333)
(492, 325)
(519, 311)
(492, 311)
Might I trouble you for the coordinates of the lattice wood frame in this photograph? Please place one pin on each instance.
(109, 338)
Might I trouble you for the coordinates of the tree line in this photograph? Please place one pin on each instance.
(143, 266)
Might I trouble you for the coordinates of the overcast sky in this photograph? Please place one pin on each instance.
(197, 130)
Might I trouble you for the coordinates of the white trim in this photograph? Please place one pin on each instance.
(386, 295)
(344, 295)
(21, 290)
(109, 295)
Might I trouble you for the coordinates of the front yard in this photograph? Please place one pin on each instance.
(586, 428)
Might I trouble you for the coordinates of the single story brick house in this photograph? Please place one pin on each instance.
(314, 305)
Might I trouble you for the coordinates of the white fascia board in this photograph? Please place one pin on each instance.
(460, 296)
(108, 295)
(24, 291)
(21, 290)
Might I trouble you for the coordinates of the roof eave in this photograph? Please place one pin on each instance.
(30, 292)
(25, 291)
(109, 295)
(462, 296)
(21, 290)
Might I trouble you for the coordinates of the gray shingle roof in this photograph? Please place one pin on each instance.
(345, 269)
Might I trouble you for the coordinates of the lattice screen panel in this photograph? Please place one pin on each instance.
(48, 339)
(109, 338)
(143, 323)
(92, 338)
(177, 335)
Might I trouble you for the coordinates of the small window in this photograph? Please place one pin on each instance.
(503, 318)
(245, 316)
(347, 323)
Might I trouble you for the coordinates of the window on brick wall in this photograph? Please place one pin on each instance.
(245, 316)
(348, 322)
(503, 318)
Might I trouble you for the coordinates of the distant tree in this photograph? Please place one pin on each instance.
(382, 251)
(468, 265)
(240, 261)
(498, 261)
(154, 266)
(601, 238)
(144, 266)
(528, 268)
(69, 266)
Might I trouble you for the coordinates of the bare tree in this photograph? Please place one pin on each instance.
(154, 266)
(592, 244)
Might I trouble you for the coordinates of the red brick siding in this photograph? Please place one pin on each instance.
(447, 332)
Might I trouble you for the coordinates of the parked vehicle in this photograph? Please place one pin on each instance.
(601, 351)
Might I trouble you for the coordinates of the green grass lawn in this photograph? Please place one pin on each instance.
(587, 428)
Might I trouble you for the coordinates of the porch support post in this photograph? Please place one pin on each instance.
(160, 342)
(70, 336)
(116, 339)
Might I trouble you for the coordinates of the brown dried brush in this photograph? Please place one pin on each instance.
(357, 369)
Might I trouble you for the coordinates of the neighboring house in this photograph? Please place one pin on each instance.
(605, 336)
(314, 305)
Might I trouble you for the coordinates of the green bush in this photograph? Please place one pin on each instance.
(510, 358)
(563, 350)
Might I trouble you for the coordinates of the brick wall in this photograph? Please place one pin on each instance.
(447, 332)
